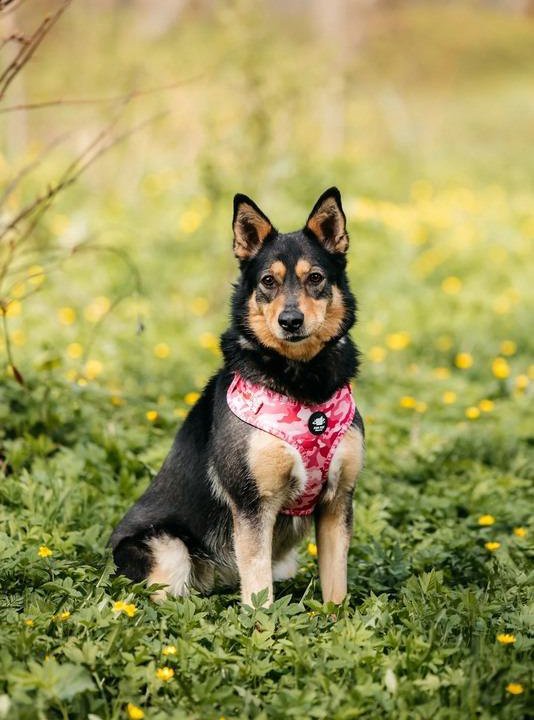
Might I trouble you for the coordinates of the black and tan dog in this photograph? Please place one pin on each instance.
(227, 504)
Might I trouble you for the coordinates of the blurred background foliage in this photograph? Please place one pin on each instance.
(420, 112)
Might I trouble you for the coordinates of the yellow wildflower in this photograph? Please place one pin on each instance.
(66, 315)
(463, 360)
(420, 407)
(486, 520)
(472, 413)
(92, 369)
(129, 609)
(117, 400)
(515, 688)
(134, 712)
(165, 674)
(451, 285)
(44, 551)
(191, 398)
(408, 402)
(209, 341)
(398, 340)
(65, 615)
(180, 412)
(500, 368)
(441, 373)
(74, 350)
(506, 638)
(502, 305)
(521, 382)
(486, 405)
(508, 347)
(190, 221)
(28, 622)
(162, 350)
(199, 306)
(492, 545)
(35, 275)
(97, 308)
(14, 308)
(449, 397)
(377, 354)
(520, 532)
(152, 415)
(312, 549)
(169, 650)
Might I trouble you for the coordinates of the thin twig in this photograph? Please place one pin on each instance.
(27, 50)
(41, 204)
(11, 186)
(69, 102)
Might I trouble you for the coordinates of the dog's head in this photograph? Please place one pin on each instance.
(293, 295)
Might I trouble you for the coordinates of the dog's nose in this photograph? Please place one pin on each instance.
(291, 319)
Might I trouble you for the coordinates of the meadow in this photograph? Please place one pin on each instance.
(112, 312)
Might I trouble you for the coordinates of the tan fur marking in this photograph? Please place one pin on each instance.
(279, 270)
(345, 466)
(332, 545)
(351, 450)
(302, 268)
(322, 323)
(270, 462)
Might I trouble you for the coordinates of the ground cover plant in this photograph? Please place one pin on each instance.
(434, 167)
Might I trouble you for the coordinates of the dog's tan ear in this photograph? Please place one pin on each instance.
(328, 223)
(251, 227)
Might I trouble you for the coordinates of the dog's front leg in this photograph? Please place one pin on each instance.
(271, 464)
(334, 516)
(253, 541)
(334, 527)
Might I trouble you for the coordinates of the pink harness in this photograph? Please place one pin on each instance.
(314, 430)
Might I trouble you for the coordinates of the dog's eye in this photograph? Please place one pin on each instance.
(315, 278)
(268, 281)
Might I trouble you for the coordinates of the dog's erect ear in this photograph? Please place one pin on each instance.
(328, 223)
(250, 226)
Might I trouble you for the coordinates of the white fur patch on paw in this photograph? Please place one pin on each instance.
(287, 567)
(172, 567)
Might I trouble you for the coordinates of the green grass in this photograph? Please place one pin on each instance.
(436, 176)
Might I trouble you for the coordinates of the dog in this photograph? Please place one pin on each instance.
(275, 439)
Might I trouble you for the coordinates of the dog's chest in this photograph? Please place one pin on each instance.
(293, 441)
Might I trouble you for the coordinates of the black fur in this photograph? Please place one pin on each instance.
(181, 501)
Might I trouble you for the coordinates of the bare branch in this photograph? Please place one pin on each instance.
(126, 97)
(11, 186)
(28, 49)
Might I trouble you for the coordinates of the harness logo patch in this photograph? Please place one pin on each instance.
(317, 423)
